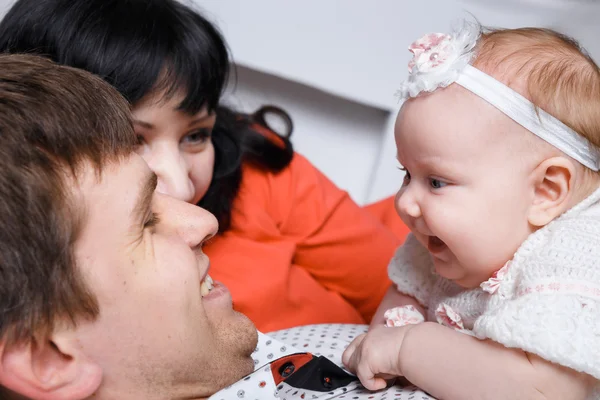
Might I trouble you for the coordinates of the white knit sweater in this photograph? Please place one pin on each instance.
(547, 304)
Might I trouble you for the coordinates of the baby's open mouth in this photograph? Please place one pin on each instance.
(435, 245)
(206, 286)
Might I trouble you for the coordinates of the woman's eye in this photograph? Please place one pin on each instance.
(140, 140)
(196, 137)
(436, 183)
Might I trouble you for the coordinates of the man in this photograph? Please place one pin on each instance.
(104, 290)
(101, 276)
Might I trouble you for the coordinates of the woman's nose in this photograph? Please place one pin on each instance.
(173, 174)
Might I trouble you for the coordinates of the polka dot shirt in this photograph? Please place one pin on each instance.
(305, 363)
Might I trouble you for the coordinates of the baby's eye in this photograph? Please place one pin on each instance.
(406, 176)
(436, 183)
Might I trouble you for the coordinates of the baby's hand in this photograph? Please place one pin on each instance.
(374, 356)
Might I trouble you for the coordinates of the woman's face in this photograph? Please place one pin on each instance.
(176, 145)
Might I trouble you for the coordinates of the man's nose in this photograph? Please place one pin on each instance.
(173, 174)
(190, 222)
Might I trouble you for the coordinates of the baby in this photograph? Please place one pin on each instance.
(498, 285)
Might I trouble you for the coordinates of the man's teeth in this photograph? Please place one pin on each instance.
(206, 286)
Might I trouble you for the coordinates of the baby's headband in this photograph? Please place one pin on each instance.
(440, 60)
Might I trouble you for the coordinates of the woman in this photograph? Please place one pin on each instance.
(292, 247)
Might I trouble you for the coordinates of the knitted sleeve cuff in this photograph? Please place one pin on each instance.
(560, 328)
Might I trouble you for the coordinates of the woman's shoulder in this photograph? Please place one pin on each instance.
(298, 181)
(297, 197)
(267, 194)
(299, 166)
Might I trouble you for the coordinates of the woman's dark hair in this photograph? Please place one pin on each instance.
(144, 46)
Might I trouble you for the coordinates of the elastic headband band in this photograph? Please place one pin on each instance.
(523, 112)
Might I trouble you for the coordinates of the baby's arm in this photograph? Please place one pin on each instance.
(452, 365)
(393, 298)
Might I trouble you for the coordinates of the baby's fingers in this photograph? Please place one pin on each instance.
(348, 358)
(368, 378)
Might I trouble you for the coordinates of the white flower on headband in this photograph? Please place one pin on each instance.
(438, 60)
(430, 52)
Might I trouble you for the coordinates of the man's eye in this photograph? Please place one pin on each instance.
(151, 221)
(436, 183)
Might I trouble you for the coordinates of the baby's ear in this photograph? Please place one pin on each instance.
(553, 188)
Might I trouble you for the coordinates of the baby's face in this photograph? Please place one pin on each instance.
(467, 191)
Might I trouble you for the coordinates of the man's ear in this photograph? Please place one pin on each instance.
(553, 189)
(48, 369)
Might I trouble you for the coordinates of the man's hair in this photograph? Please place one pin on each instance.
(551, 70)
(54, 121)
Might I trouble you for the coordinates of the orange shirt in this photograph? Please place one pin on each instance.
(385, 211)
(300, 251)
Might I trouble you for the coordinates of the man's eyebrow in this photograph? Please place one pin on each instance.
(145, 196)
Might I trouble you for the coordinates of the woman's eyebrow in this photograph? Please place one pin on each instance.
(200, 119)
(144, 124)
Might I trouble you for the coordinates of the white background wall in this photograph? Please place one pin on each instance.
(4, 4)
(334, 65)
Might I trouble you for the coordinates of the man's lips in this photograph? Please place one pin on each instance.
(206, 285)
(217, 291)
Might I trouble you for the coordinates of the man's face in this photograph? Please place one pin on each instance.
(141, 254)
